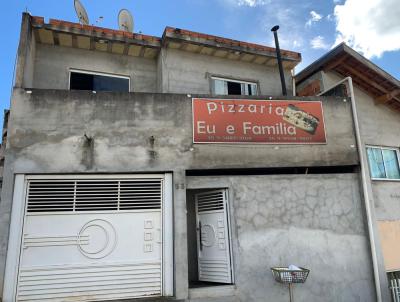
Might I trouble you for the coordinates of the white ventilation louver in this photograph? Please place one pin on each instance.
(210, 201)
(94, 195)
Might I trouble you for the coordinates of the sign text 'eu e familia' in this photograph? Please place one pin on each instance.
(258, 121)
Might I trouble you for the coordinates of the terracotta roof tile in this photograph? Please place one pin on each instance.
(183, 33)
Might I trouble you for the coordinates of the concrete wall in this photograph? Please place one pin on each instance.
(30, 61)
(46, 135)
(379, 126)
(174, 71)
(185, 72)
(52, 65)
(313, 221)
(26, 53)
(49, 122)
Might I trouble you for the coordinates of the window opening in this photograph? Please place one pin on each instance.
(233, 87)
(383, 163)
(98, 82)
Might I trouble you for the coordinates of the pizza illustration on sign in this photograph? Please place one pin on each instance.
(301, 119)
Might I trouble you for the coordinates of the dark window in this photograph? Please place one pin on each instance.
(95, 82)
(234, 88)
(339, 90)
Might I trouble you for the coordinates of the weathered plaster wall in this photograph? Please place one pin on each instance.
(142, 133)
(30, 60)
(185, 72)
(174, 71)
(379, 126)
(314, 221)
(47, 123)
(52, 65)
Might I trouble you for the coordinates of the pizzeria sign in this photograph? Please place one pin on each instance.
(258, 121)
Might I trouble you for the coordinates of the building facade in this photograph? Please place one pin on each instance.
(376, 97)
(109, 194)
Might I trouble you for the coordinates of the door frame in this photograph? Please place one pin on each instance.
(228, 226)
(18, 217)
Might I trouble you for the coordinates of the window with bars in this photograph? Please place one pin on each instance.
(93, 195)
(383, 163)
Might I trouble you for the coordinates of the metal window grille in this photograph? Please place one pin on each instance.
(211, 201)
(93, 195)
(394, 285)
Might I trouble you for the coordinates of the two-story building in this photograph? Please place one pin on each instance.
(376, 98)
(171, 167)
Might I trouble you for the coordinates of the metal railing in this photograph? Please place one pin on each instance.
(395, 289)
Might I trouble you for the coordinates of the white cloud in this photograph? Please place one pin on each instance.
(250, 3)
(371, 27)
(289, 15)
(314, 17)
(318, 42)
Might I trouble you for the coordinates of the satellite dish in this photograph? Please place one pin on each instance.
(125, 20)
(81, 12)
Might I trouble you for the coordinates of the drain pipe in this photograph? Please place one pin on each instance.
(364, 177)
(278, 56)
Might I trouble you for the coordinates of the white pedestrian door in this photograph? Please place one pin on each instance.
(92, 239)
(213, 244)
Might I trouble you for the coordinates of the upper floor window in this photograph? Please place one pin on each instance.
(222, 86)
(383, 163)
(84, 80)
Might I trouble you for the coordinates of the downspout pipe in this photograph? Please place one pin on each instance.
(364, 180)
(278, 56)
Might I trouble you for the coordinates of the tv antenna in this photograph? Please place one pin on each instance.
(125, 20)
(81, 12)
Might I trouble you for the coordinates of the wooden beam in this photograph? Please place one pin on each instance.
(184, 46)
(74, 41)
(200, 49)
(37, 37)
(56, 38)
(365, 79)
(387, 96)
(142, 50)
(126, 49)
(92, 43)
(335, 63)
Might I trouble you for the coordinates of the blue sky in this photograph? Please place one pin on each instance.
(311, 27)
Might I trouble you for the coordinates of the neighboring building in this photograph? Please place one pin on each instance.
(116, 186)
(377, 98)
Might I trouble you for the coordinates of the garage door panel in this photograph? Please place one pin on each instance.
(87, 237)
(75, 247)
(51, 282)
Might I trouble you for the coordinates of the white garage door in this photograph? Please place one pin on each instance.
(92, 239)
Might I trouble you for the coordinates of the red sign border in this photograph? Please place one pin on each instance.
(261, 143)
